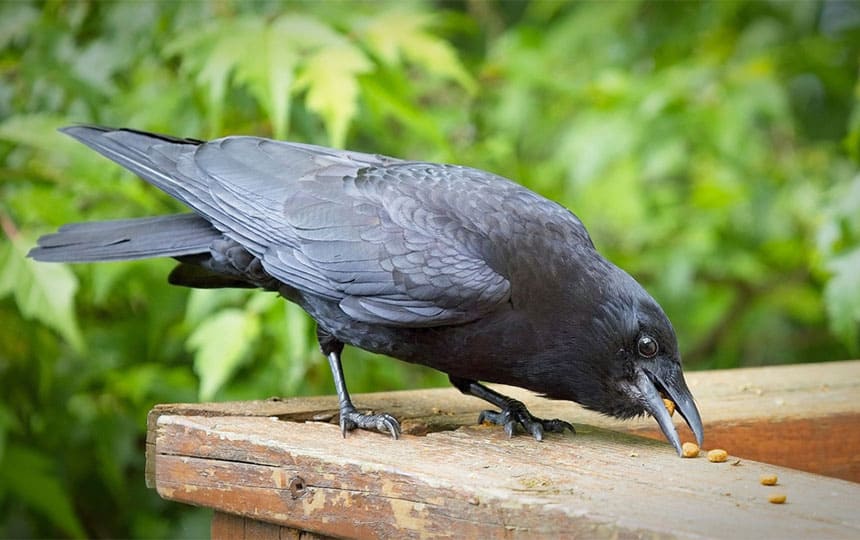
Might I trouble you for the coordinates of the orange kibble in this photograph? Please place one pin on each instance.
(717, 455)
(670, 406)
(776, 499)
(689, 449)
(768, 479)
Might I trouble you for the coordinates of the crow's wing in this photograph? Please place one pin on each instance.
(394, 243)
(377, 235)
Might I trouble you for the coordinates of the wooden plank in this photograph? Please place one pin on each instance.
(229, 527)
(800, 416)
(232, 527)
(474, 482)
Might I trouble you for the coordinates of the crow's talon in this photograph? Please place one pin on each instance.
(351, 419)
(557, 426)
(516, 413)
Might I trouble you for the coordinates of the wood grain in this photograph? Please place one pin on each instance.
(802, 416)
(474, 482)
(280, 468)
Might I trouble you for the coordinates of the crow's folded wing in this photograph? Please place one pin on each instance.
(385, 239)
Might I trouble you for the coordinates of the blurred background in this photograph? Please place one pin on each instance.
(711, 148)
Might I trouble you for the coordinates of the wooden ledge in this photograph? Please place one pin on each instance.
(446, 477)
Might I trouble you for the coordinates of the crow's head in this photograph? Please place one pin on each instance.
(643, 359)
(625, 357)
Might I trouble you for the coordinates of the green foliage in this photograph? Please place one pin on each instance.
(839, 241)
(711, 148)
(42, 292)
(32, 478)
(220, 344)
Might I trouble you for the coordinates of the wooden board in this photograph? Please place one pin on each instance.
(802, 416)
(449, 478)
(475, 482)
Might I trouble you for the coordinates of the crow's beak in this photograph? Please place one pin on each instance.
(671, 382)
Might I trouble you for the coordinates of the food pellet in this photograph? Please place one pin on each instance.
(689, 449)
(717, 455)
(776, 499)
(768, 479)
(670, 406)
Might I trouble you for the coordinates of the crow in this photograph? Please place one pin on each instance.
(441, 265)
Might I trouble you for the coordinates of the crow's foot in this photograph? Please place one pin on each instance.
(515, 412)
(351, 419)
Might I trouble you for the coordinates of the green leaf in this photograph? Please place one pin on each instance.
(330, 76)
(212, 53)
(43, 291)
(31, 477)
(256, 54)
(203, 302)
(221, 343)
(269, 73)
(402, 34)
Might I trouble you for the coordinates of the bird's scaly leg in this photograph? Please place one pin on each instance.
(512, 411)
(350, 418)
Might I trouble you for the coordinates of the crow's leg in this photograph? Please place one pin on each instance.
(512, 411)
(350, 418)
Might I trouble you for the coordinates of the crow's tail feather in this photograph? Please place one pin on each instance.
(126, 239)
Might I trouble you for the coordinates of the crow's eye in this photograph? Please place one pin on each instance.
(647, 346)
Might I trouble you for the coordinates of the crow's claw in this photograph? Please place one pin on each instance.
(515, 412)
(351, 419)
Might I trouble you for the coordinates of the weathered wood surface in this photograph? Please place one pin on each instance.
(805, 417)
(449, 478)
(233, 527)
(476, 483)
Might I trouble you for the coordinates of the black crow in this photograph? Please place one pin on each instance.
(441, 265)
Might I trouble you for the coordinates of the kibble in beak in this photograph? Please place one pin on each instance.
(672, 384)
